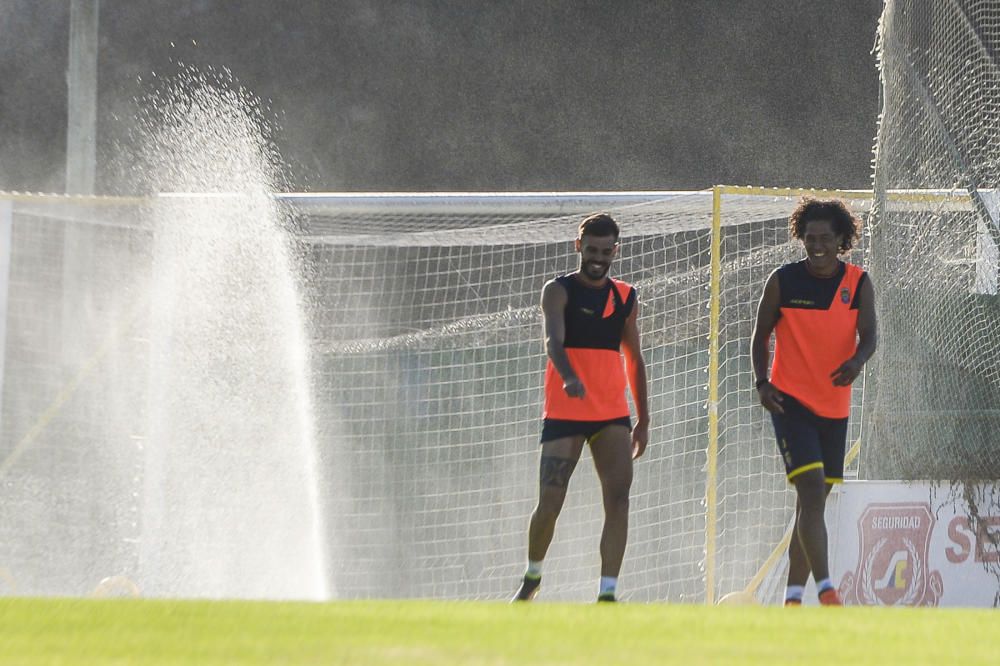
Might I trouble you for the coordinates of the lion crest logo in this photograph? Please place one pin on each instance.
(894, 543)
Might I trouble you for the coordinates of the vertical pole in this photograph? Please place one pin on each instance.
(81, 141)
(6, 227)
(81, 107)
(711, 481)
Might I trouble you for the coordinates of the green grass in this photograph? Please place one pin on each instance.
(47, 631)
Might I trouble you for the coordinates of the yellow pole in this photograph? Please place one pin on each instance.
(902, 196)
(713, 396)
(795, 192)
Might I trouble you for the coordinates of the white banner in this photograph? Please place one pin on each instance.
(987, 253)
(916, 544)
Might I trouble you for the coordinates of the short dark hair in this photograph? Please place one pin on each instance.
(810, 209)
(599, 224)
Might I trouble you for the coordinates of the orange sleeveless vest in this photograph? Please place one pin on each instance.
(815, 334)
(595, 319)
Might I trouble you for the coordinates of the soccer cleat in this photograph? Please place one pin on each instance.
(793, 602)
(829, 597)
(528, 590)
(607, 596)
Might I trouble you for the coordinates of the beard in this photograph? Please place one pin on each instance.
(595, 270)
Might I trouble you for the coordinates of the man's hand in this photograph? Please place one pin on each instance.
(574, 387)
(640, 438)
(771, 398)
(847, 372)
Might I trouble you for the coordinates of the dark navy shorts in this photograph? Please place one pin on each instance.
(559, 428)
(807, 441)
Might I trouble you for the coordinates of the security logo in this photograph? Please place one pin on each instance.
(845, 295)
(894, 541)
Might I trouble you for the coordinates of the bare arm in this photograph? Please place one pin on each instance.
(554, 300)
(768, 312)
(867, 337)
(635, 367)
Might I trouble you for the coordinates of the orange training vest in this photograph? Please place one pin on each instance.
(595, 319)
(815, 334)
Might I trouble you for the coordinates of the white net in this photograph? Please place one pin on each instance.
(426, 361)
(432, 369)
(932, 412)
(69, 471)
(156, 422)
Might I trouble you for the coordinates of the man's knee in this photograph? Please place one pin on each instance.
(617, 498)
(811, 491)
(550, 503)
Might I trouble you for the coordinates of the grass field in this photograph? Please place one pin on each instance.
(46, 631)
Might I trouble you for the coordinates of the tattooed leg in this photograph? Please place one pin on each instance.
(559, 459)
(556, 472)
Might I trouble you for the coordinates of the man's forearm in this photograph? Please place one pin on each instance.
(866, 347)
(557, 354)
(640, 389)
(760, 355)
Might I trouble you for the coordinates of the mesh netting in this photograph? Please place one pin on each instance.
(426, 366)
(932, 411)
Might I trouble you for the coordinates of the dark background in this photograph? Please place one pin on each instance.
(494, 96)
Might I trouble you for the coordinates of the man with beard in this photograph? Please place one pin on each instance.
(590, 322)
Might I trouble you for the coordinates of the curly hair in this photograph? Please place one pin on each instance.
(845, 223)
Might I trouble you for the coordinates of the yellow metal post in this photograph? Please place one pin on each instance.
(713, 396)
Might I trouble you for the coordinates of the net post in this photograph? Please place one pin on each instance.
(711, 481)
(81, 80)
(6, 227)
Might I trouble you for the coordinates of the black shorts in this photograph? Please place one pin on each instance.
(807, 441)
(559, 428)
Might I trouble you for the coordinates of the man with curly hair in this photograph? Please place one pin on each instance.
(821, 311)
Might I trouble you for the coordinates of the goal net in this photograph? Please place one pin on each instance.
(932, 411)
(424, 365)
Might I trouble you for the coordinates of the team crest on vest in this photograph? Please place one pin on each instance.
(845, 295)
(894, 543)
